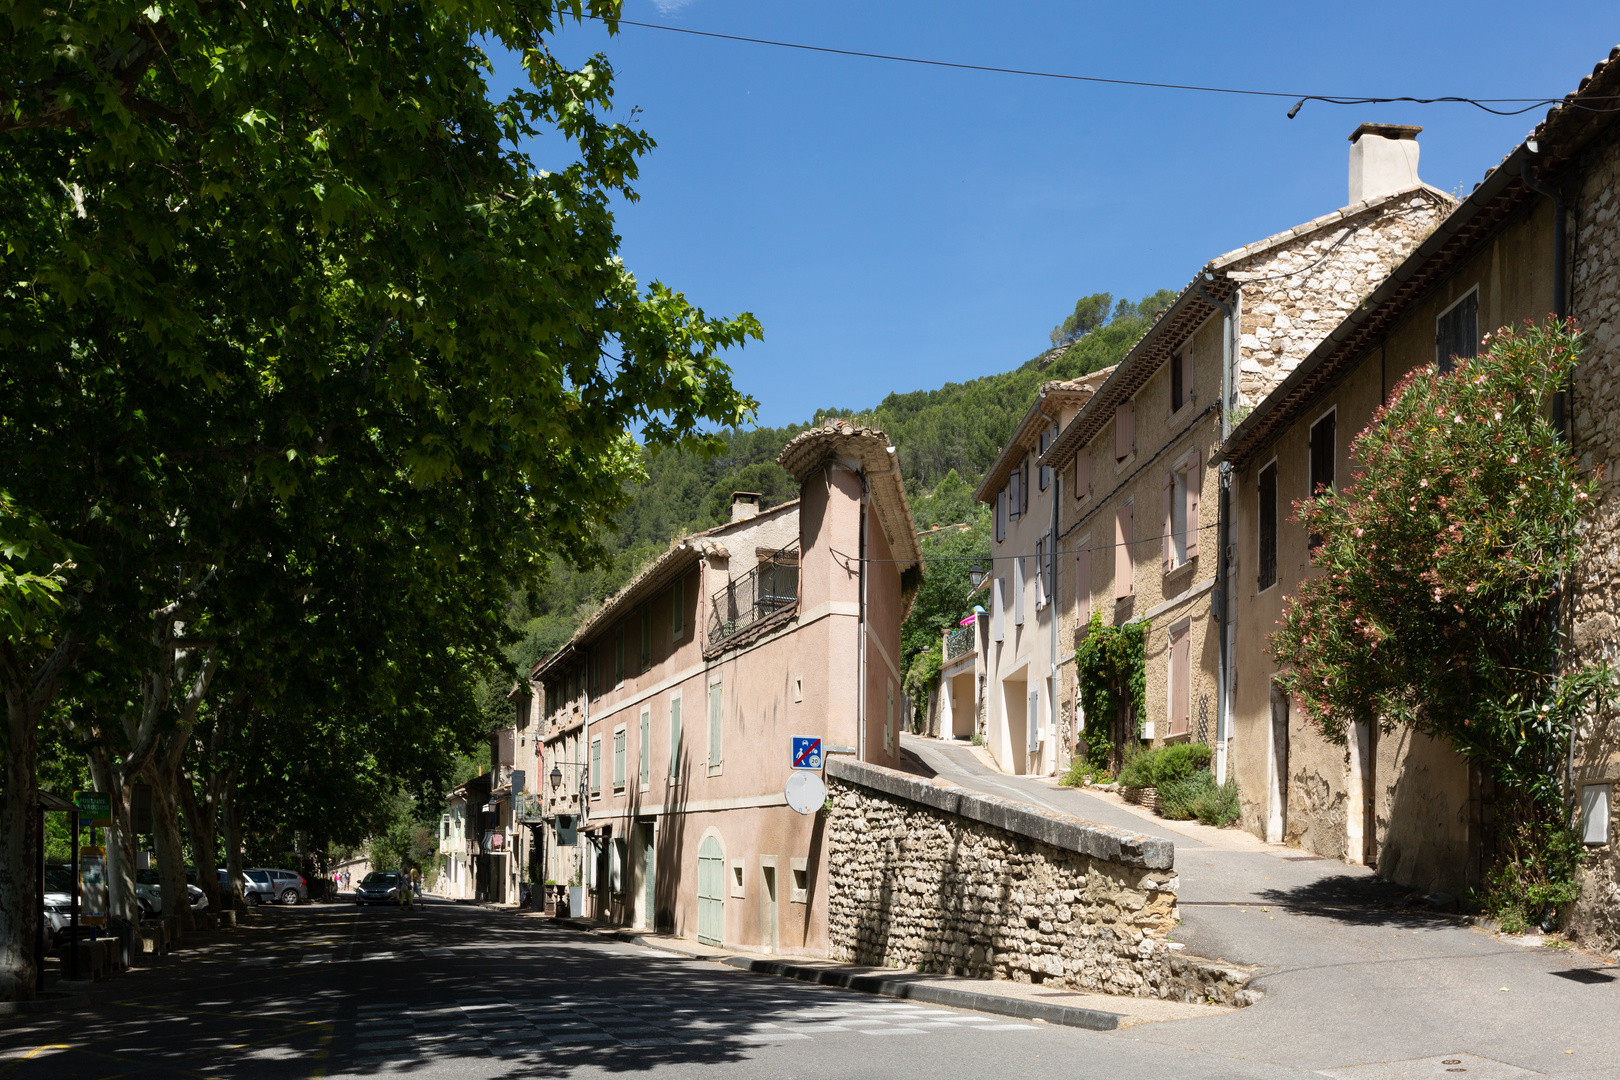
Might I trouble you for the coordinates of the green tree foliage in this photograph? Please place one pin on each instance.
(302, 353)
(1090, 312)
(1111, 667)
(1435, 605)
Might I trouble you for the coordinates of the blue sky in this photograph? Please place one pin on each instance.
(896, 227)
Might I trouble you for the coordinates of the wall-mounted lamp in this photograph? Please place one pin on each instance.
(976, 574)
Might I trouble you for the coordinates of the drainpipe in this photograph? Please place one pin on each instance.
(1563, 415)
(1222, 601)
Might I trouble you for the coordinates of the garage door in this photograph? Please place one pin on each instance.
(711, 891)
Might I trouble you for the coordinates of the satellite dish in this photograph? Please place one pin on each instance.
(805, 792)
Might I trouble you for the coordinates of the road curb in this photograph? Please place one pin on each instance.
(1090, 1019)
(881, 985)
(49, 1001)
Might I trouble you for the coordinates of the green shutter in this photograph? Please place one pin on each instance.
(645, 747)
(675, 739)
(618, 759)
(596, 766)
(714, 726)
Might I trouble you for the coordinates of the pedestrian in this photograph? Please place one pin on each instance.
(404, 880)
(416, 884)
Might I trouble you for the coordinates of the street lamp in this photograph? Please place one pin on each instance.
(556, 777)
(976, 574)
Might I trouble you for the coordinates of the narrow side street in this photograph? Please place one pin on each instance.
(1346, 975)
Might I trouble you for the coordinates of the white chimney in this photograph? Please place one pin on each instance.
(744, 505)
(1383, 160)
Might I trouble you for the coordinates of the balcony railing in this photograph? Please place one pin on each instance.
(959, 642)
(770, 587)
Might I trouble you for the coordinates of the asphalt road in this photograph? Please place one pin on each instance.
(1350, 977)
(465, 992)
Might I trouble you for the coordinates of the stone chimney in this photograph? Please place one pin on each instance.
(744, 505)
(1383, 159)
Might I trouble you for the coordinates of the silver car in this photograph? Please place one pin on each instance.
(149, 895)
(287, 886)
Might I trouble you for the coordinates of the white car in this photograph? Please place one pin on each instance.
(149, 895)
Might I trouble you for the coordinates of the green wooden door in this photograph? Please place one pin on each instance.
(711, 891)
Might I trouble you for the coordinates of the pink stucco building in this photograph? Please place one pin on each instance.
(667, 721)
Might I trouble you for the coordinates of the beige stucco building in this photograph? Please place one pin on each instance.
(1399, 801)
(668, 719)
(1140, 528)
(1016, 644)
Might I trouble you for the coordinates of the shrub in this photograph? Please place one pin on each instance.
(1082, 772)
(1179, 761)
(1136, 767)
(1198, 796)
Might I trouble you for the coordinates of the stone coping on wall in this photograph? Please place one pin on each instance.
(1052, 827)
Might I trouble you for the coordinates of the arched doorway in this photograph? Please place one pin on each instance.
(711, 891)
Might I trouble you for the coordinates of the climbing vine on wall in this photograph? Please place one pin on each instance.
(1111, 666)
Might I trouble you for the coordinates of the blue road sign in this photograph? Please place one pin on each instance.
(806, 753)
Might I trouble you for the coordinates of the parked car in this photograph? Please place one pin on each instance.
(258, 887)
(378, 887)
(287, 886)
(149, 895)
(58, 902)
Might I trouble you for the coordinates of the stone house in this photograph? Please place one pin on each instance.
(667, 720)
(457, 848)
(1140, 531)
(1018, 656)
(1538, 235)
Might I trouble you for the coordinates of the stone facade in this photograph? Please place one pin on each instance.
(928, 876)
(1336, 269)
(1595, 596)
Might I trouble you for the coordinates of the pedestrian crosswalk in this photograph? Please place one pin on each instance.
(505, 1027)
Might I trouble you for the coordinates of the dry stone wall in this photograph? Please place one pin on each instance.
(1295, 293)
(928, 876)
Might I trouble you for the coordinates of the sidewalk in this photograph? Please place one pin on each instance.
(1096, 1012)
(1349, 975)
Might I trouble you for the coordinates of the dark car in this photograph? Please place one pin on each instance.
(378, 887)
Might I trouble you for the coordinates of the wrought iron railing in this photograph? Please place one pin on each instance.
(959, 642)
(768, 588)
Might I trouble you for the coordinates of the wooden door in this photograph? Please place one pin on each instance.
(711, 891)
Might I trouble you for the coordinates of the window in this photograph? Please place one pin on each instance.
(677, 610)
(1001, 515)
(1018, 591)
(1082, 583)
(736, 877)
(1266, 542)
(1124, 564)
(1040, 574)
(596, 766)
(644, 749)
(1456, 332)
(1046, 472)
(1322, 455)
(715, 717)
(1180, 705)
(1124, 430)
(1595, 813)
(1181, 490)
(1181, 378)
(1082, 474)
(618, 758)
(675, 738)
(618, 656)
(1015, 493)
(800, 869)
(646, 637)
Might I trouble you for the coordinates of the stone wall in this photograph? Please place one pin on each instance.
(1595, 596)
(929, 876)
(1296, 293)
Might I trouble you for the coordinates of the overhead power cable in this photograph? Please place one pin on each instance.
(1524, 104)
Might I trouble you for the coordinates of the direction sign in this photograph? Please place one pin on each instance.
(95, 807)
(806, 753)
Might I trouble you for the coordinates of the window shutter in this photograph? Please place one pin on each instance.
(1018, 590)
(1040, 573)
(618, 758)
(644, 747)
(1015, 494)
(1180, 682)
(675, 738)
(596, 766)
(1195, 484)
(1124, 430)
(1082, 474)
(1023, 488)
(714, 725)
(998, 608)
(1001, 515)
(1124, 566)
(1082, 585)
(1167, 541)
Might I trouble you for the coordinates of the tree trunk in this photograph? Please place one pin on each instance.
(161, 773)
(111, 779)
(233, 842)
(19, 847)
(27, 693)
(202, 815)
